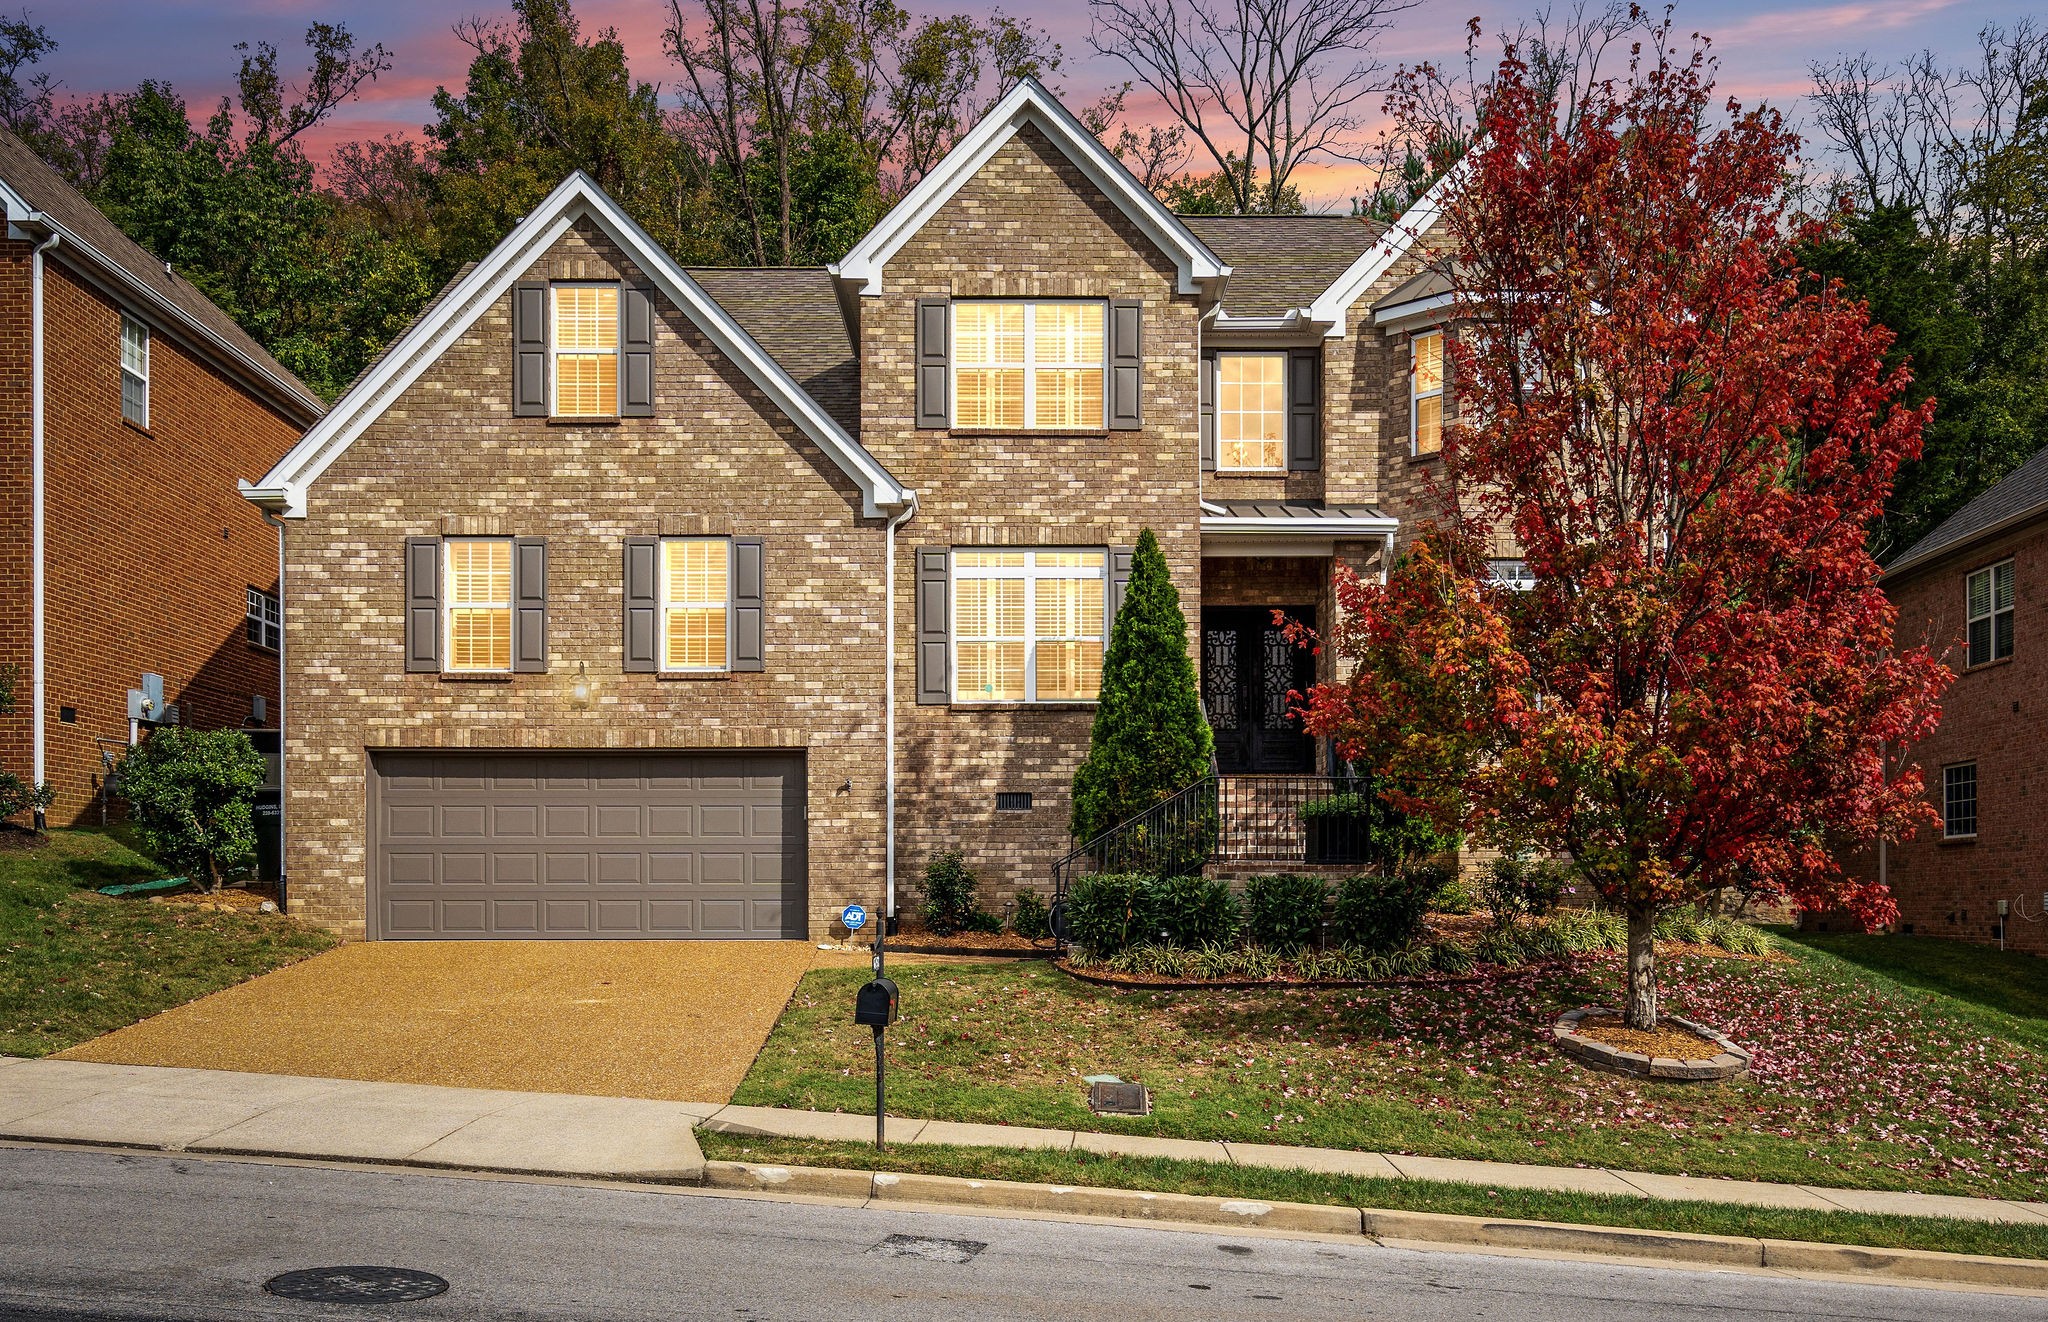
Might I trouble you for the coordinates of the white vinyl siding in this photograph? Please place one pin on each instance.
(1027, 625)
(1028, 366)
(134, 371)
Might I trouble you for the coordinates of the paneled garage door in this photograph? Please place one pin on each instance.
(593, 846)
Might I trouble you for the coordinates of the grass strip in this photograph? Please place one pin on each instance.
(1218, 1180)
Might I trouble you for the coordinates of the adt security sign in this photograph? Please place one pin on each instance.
(854, 917)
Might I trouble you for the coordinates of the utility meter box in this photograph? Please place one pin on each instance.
(875, 1006)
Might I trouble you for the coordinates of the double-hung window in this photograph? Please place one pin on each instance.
(1426, 393)
(1990, 613)
(585, 349)
(1959, 800)
(1251, 412)
(1021, 366)
(1028, 625)
(478, 594)
(134, 371)
(696, 592)
(265, 621)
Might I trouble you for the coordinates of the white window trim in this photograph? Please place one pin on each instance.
(267, 614)
(1976, 802)
(663, 603)
(555, 352)
(1415, 396)
(1990, 574)
(1029, 571)
(1029, 363)
(1285, 388)
(449, 605)
(143, 375)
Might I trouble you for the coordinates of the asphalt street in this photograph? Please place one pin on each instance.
(89, 1235)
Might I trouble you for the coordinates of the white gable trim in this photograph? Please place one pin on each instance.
(1029, 103)
(1333, 305)
(578, 197)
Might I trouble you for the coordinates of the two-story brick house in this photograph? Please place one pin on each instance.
(628, 600)
(129, 407)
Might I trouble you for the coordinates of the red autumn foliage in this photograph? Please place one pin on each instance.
(1687, 437)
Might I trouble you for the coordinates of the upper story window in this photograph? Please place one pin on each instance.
(1510, 574)
(265, 621)
(1028, 366)
(585, 343)
(134, 371)
(1426, 393)
(696, 591)
(1959, 800)
(478, 596)
(1251, 412)
(1990, 613)
(1027, 625)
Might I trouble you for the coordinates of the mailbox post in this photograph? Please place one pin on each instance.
(876, 1006)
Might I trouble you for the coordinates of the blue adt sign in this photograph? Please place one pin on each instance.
(854, 917)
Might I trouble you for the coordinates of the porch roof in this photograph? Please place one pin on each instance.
(1282, 519)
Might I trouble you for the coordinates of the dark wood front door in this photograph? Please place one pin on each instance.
(1248, 669)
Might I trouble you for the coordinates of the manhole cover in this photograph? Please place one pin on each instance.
(931, 1250)
(356, 1285)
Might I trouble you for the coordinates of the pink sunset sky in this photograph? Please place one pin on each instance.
(109, 45)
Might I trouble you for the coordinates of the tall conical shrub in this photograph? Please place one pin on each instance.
(1150, 736)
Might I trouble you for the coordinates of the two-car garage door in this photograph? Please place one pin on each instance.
(561, 845)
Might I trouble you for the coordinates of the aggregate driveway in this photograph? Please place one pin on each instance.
(675, 1020)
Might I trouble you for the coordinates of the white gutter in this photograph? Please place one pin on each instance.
(40, 666)
(889, 703)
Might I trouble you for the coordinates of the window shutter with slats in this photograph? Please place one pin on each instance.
(636, 353)
(1126, 365)
(934, 365)
(1304, 409)
(641, 639)
(1120, 558)
(749, 603)
(530, 349)
(529, 605)
(422, 604)
(1209, 412)
(934, 626)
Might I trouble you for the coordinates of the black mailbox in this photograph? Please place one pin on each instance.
(875, 1007)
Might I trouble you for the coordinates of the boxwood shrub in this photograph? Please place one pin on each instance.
(1379, 911)
(1284, 912)
(1109, 911)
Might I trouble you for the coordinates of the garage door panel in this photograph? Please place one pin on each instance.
(678, 845)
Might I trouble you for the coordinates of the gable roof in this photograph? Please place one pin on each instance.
(1029, 103)
(793, 313)
(40, 201)
(2021, 496)
(575, 200)
(1332, 305)
(1280, 263)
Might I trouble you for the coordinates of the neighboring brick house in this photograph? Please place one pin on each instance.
(129, 407)
(1976, 591)
(629, 600)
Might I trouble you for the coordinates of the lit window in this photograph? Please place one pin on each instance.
(1426, 393)
(586, 351)
(1027, 625)
(1027, 366)
(1990, 613)
(266, 620)
(1251, 412)
(696, 582)
(134, 371)
(479, 596)
(1959, 800)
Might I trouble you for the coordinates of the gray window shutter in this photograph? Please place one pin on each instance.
(636, 353)
(643, 604)
(1120, 558)
(1126, 365)
(1304, 409)
(934, 625)
(934, 365)
(1209, 412)
(530, 349)
(749, 603)
(529, 605)
(422, 604)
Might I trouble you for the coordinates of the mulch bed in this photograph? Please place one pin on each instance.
(1663, 1040)
(1153, 982)
(19, 839)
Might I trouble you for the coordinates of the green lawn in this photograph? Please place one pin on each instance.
(2004, 991)
(1858, 1081)
(1217, 1180)
(74, 965)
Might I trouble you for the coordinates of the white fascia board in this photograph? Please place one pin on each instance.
(1333, 526)
(1333, 305)
(1416, 312)
(1029, 103)
(420, 347)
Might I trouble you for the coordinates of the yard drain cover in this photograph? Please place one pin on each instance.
(356, 1285)
(931, 1250)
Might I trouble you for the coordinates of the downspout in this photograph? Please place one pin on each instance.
(283, 762)
(889, 701)
(40, 665)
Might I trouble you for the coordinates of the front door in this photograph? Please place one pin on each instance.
(1248, 668)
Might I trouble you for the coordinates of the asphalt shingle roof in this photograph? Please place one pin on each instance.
(793, 313)
(2022, 494)
(1278, 263)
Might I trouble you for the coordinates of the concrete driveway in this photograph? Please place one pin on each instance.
(676, 1020)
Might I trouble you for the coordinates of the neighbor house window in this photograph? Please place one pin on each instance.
(586, 351)
(1959, 800)
(1251, 412)
(1027, 366)
(1426, 393)
(134, 371)
(1511, 574)
(479, 596)
(266, 620)
(1027, 625)
(1990, 603)
(696, 580)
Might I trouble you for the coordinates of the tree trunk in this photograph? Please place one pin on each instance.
(212, 876)
(1642, 966)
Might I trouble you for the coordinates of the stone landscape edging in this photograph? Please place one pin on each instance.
(1731, 1062)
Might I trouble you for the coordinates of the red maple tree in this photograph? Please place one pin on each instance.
(1686, 435)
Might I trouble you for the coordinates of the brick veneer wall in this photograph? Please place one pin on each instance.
(717, 457)
(150, 549)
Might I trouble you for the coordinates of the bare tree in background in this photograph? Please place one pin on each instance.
(1261, 85)
(1156, 157)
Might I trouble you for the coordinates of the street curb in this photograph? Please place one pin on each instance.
(1127, 1204)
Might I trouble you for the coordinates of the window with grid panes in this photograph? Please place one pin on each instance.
(1027, 625)
(1028, 366)
(134, 371)
(696, 579)
(265, 620)
(585, 345)
(478, 593)
(1989, 598)
(1959, 800)
(1251, 412)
